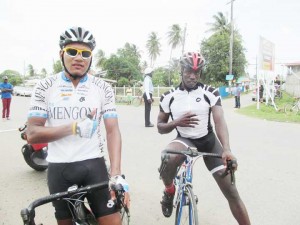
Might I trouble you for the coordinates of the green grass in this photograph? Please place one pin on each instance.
(268, 112)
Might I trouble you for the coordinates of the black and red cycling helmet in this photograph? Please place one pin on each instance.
(192, 60)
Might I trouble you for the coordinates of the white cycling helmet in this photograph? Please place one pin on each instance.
(77, 35)
(148, 70)
(5, 78)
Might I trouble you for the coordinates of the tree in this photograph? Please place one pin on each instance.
(44, 72)
(220, 24)
(216, 53)
(175, 38)
(131, 53)
(13, 76)
(215, 50)
(57, 66)
(153, 47)
(100, 58)
(10, 73)
(124, 64)
(31, 70)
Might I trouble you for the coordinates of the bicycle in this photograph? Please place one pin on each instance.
(185, 199)
(137, 100)
(75, 196)
(292, 108)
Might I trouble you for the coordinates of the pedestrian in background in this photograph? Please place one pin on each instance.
(148, 90)
(237, 96)
(129, 95)
(6, 94)
(261, 93)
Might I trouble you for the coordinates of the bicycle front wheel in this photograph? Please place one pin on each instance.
(137, 101)
(125, 217)
(291, 109)
(186, 209)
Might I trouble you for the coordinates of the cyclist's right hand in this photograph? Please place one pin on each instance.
(187, 120)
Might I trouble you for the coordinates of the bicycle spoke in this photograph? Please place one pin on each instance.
(290, 109)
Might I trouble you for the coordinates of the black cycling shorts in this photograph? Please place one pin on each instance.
(208, 143)
(63, 175)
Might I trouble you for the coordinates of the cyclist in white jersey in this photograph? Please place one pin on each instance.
(190, 106)
(66, 110)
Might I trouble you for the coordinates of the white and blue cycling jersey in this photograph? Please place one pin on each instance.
(59, 102)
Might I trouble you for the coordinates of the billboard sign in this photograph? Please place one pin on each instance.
(266, 55)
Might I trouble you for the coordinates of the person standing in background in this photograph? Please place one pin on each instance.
(237, 96)
(129, 95)
(261, 93)
(6, 94)
(148, 90)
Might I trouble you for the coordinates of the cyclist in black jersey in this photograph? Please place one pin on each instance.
(190, 106)
(73, 104)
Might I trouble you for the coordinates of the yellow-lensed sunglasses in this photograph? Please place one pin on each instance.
(73, 52)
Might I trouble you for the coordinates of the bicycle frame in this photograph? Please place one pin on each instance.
(183, 179)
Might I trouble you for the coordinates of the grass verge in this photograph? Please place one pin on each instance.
(268, 112)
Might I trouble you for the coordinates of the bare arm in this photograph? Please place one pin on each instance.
(38, 133)
(222, 133)
(221, 127)
(114, 145)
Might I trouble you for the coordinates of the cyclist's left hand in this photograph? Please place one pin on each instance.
(116, 180)
(226, 156)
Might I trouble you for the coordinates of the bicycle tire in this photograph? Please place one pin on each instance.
(186, 209)
(291, 109)
(137, 101)
(124, 217)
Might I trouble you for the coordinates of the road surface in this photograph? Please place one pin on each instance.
(267, 178)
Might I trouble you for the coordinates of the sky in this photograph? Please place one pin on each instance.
(29, 30)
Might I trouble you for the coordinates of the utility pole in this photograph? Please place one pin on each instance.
(183, 39)
(24, 72)
(231, 39)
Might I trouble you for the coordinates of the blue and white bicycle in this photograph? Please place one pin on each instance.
(185, 199)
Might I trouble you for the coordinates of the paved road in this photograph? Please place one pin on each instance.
(267, 179)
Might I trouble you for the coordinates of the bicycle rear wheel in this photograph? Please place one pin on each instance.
(125, 217)
(291, 109)
(137, 101)
(186, 209)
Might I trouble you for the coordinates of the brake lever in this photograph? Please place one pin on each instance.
(229, 169)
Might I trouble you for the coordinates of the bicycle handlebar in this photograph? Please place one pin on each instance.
(28, 213)
(193, 152)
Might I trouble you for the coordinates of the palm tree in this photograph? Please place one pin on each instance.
(44, 72)
(175, 38)
(153, 47)
(31, 70)
(220, 25)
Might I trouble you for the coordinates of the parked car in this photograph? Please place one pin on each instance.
(22, 91)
